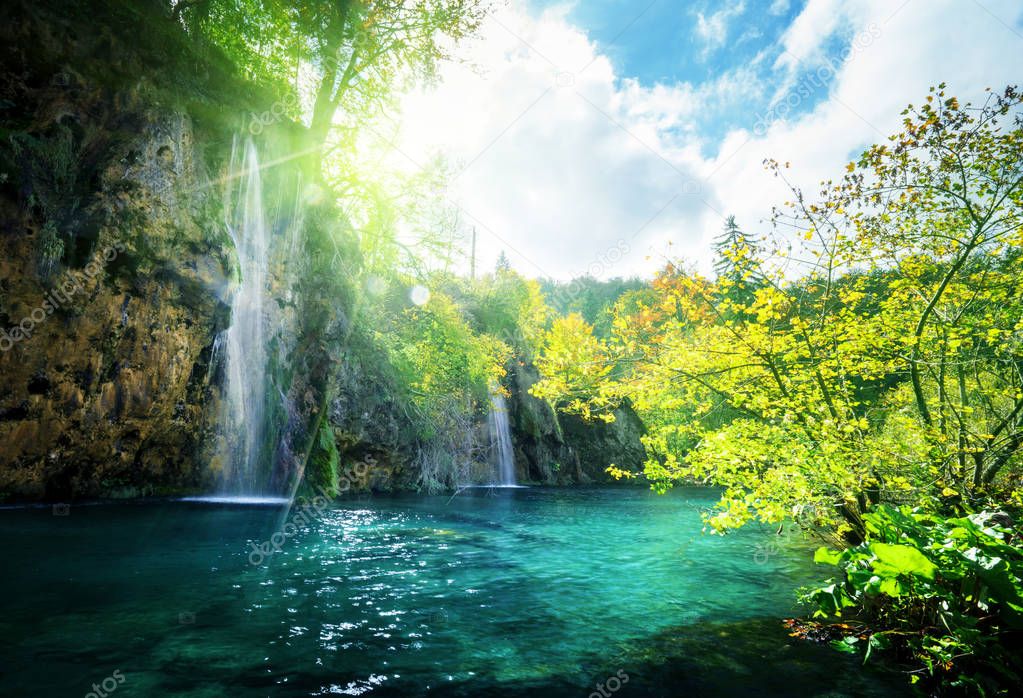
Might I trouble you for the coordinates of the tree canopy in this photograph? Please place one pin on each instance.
(889, 370)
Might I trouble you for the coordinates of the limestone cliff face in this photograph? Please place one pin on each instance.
(115, 266)
(554, 448)
(601, 444)
(104, 378)
(117, 270)
(371, 428)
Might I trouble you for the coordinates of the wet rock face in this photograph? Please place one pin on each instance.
(554, 448)
(115, 261)
(370, 428)
(118, 134)
(541, 454)
(601, 444)
(104, 380)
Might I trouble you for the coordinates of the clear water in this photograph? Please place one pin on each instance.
(535, 592)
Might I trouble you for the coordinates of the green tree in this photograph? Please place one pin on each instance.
(503, 266)
(892, 370)
(362, 51)
(736, 267)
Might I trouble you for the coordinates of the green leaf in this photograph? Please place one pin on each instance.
(891, 586)
(846, 644)
(901, 559)
(876, 642)
(824, 556)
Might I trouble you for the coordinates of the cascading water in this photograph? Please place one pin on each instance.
(246, 355)
(500, 440)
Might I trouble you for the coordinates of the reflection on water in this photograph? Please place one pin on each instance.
(541, 591)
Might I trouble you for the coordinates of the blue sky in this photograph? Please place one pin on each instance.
(582, 128)
(666, 42)
(660, 41)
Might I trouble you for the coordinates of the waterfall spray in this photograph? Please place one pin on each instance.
(246, 356)
(500, 439)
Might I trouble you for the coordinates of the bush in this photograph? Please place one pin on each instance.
(943, 594)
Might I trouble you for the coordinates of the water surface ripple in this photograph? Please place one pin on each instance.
(515, 592)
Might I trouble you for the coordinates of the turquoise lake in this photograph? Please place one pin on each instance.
(513, 592)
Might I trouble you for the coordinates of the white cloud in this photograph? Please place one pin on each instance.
(919, 46)
(805, 37)
(713, 29)
(564, 160)
(566, 157)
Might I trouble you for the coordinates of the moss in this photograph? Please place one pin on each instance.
(48, 174)
(50, 248)
(322, 470)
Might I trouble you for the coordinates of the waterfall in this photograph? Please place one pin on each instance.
(245, 350)
(500, 439)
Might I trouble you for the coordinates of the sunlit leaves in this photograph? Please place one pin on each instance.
(943, 589)
(440, 358)
(575, 365)
(890, 370)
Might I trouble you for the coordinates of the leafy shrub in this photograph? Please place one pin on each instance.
(944, 594)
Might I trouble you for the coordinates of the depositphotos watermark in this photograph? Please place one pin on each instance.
(107, 686)
(60, 296)
(610, 685)
(273, 115)
(310, 510)
(814, 81)
(608, 259)
(303, 516)
(762, 552)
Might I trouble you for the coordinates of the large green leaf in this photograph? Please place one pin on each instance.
(998, 575)
(901, 559)
(824, 556)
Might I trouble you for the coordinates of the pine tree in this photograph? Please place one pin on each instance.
(503, 265)
(736, 266)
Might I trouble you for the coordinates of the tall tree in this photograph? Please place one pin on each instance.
(892, 370)
(736, 267)
(503, 265)
(360, 50)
